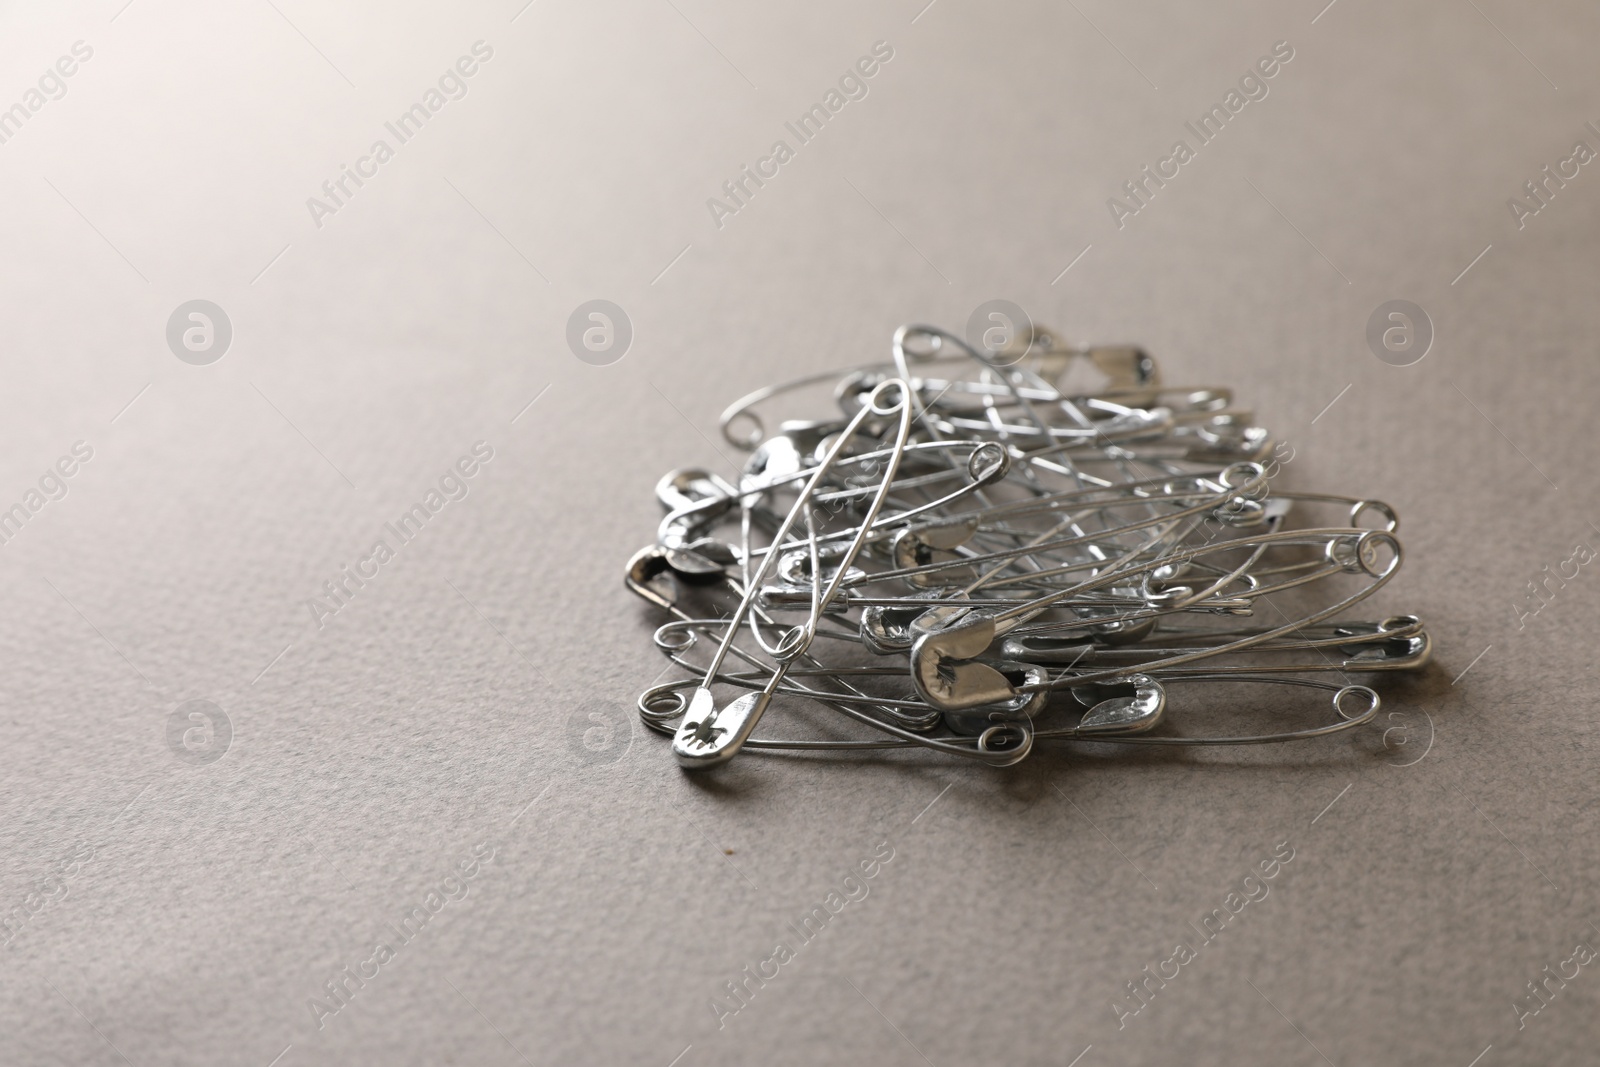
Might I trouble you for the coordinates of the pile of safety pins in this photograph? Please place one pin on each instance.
(976, 554)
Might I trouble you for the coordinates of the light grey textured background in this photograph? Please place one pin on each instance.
(449, 704)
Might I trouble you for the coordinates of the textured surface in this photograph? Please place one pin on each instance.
(170, 912)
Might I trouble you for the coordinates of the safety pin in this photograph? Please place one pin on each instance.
(1340, 693)
(711, 735)
(946, 672)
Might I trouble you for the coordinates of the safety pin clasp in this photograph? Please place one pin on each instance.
(935, 542)
(945, 670)
(973, 722)
(1393, 654)
(709, 735)
(1131, 707)
(887, 629)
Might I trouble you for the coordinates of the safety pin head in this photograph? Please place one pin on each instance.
(777, 458)
(935, 542)
(1131, 707)
(945, 670)
(709, 736)
(972, 722)
(646, 565)
(1124, 631)
(1394, 654)
(688, 486)
(690, 553)
(1125, 366)
(915, 545)
(886, 629)
(704, 560)
(795, 570)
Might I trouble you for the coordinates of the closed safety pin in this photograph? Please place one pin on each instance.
(711, 735)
